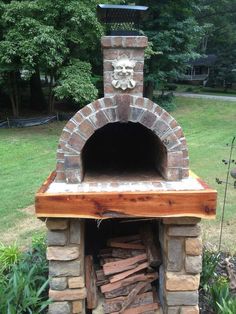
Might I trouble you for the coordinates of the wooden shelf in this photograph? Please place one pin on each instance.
(103, 205)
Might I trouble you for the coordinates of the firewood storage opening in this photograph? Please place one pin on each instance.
(122, 260)
(123, 149)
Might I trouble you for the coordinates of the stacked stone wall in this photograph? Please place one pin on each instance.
(65, 253)
(182, 263)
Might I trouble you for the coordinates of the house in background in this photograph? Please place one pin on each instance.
(199, 70)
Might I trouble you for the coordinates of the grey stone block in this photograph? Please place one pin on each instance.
(173, 310)
(184, 231)
(59, 308)
(175, 255)
(193, 264)
(59, 268)
(56, 238)
(75, 231)
(58, 283)
(182, 298)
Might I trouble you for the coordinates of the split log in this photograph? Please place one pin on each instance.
(140, 309)
(128, 281)
(115, 305)
(101, 278)
(129, 238)
(122, 265)
(127, 273)
(123, 245)
(90, 280)
(152, 248)
(132, 295)
(123, 291)
(126, 253)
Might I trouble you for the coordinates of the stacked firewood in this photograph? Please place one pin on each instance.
(129, 266)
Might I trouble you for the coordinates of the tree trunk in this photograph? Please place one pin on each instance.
(37, 99)
(51, 97)
(149, 89)
(14, 93)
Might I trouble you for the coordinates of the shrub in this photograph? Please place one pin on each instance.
(171, 87)
(165, 101)
(9, 256)
(210, 261)
(24, 282)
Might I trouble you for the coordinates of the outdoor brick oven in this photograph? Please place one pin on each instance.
(122, 163)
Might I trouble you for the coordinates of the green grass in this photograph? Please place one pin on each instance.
(27, 156)
(208, 126)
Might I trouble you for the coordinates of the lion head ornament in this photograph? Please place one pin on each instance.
(123, 73)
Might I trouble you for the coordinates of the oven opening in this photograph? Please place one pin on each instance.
(124, 150)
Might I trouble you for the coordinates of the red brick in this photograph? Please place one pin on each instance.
(76, 142)
(97, 105)
(185, 173)
(148, 104)
(107, 66)
(60, 166)
(106, 41)
(107, 76)
(130, 41)
(139, 66)
(111, 114)
(173, 124)
(99, 119)
(62, 145)
(78, 117)
(117, 41)
(138, 54)
(86, 129)
(185, 153)
(108, 89)
(148, 119)
(71, 126)
(157, 109)
(166, 116)
(108, 102)
(174, 174)
(65, 135)
(73, 175)
(142, 41)
(185, 162)
(160, 127)
(175, 159)
(60, 154)
(110, 54)
(179, 132)
(170, 140)
(72, 161)
(139, 102)
(60, 177)
(86, 111)
(123, 109)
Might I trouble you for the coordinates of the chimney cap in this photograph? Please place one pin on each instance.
(121, 19)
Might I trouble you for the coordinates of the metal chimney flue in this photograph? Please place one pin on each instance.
(121, 20)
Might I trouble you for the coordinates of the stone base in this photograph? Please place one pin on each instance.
(65, 253)
(179, 274)
(182, 263)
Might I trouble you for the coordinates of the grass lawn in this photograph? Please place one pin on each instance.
(27, 156)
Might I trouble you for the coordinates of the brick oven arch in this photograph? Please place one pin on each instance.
(120, 108)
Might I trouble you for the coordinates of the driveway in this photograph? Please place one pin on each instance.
(205, 96)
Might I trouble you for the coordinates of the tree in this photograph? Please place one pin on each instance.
(172, 29)
(43, 37)
(220, 39)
